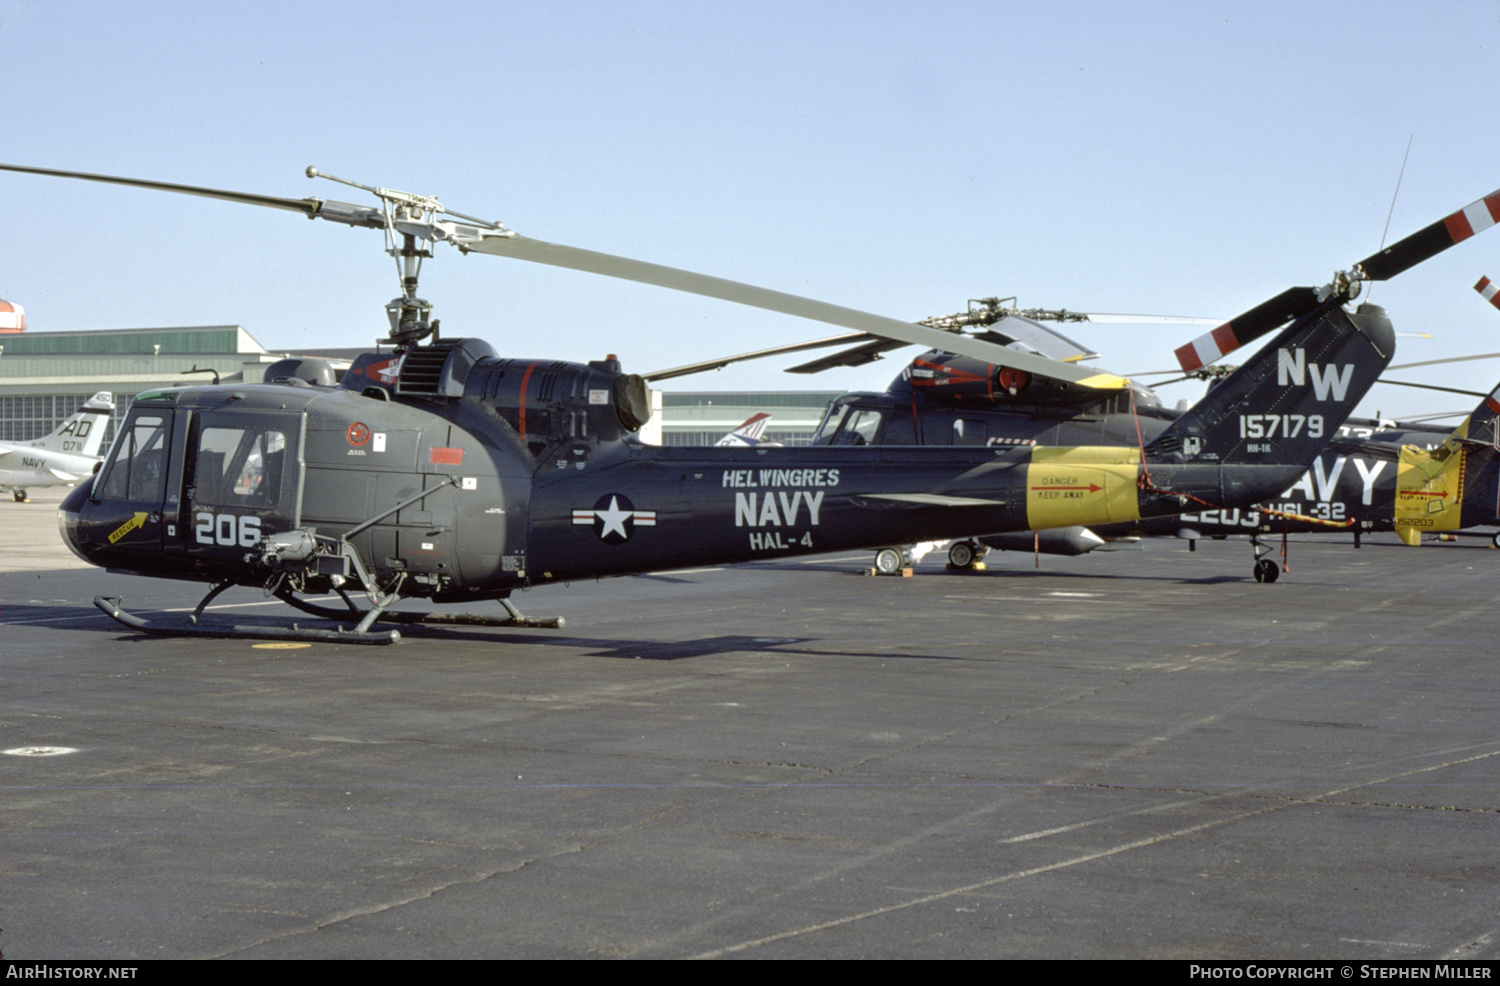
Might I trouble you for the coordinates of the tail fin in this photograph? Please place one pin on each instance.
(83, 431)
(1480, 436)
(1283, 406)
(1455, 485)
(748, 433)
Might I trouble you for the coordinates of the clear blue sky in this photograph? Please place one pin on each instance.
(1188, 158)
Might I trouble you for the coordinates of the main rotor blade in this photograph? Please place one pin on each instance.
(1450, 359)
(305, 206)
(868, 348)
(609, 265)
(857, 356)
(1109, 318)
(1434, 417)
(1428, 386)
(1424, 244)
(723, 361)
(313, 208)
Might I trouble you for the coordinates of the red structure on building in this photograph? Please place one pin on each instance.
(12, 318)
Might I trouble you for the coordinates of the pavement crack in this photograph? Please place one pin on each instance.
(1397, 804)
(391, 905)
(1469, 949)
(1080, 859)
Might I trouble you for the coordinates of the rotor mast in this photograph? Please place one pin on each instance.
(409, 218)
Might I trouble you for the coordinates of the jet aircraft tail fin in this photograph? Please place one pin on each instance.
(748, 433)
(83, 431)
(1284, 404)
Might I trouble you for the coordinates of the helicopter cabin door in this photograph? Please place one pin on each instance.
(136, 493)
(243, 481)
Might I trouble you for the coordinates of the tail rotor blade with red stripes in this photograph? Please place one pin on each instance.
(1256, 322)
(1424, 244)
(1489, 291)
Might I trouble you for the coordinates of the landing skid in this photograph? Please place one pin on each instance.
(513, 618)
(361, 633)
(110, 606)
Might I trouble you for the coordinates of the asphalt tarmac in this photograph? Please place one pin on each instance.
(1132, 754)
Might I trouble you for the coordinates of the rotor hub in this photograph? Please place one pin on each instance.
(410, 319)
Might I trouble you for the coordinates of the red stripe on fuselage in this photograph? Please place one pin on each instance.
(521, 411)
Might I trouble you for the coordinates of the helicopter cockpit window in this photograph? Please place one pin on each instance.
(860, 428)
(829, 426)
(138, 471)
(239, 466)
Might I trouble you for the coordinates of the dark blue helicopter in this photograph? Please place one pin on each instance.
(442, 471)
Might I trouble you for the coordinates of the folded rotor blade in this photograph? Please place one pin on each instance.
(1042, 338)
(871, 348)
(609, 265)
(1424, 244)
(858, 356)
(723, 361)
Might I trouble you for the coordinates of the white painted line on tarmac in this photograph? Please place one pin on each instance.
(50, 619)
(189, 609)
(179, 609)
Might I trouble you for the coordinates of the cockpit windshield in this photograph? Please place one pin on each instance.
(138, 471)
(860, 428)
(846, 424)
(829, 426)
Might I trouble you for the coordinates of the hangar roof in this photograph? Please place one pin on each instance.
(182, 340)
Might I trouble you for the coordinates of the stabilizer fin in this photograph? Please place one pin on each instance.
(1285, 404)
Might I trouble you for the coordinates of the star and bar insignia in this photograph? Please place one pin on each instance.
(614, 518)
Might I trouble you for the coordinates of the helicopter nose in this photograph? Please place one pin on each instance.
(68, 520)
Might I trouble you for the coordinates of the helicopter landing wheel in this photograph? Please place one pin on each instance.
(21, 496)
(1496, 539)
(889, 561)
(1266, 570)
